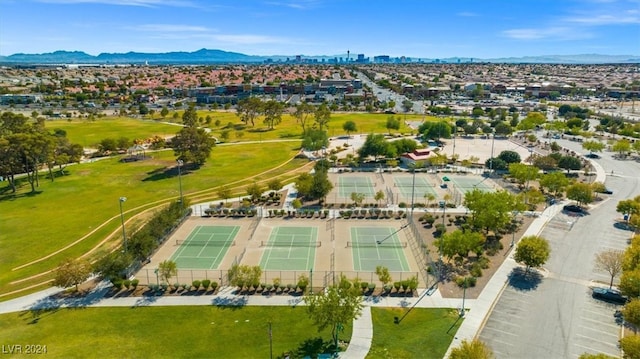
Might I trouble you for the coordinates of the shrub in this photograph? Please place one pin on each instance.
(196, 284)
(402, 205)
(471, 281)
(164, 287)
(206, 283)
(494, 247)
(268, 287)
(134, 283)
(387, 288)
(397, 286)
(290, 287)
(214, 286)
(484, 262)
(117, 283)
(126, 283)
(371, 287)
(364, 286)
(476, 270)
(303, 282)
(405, 285)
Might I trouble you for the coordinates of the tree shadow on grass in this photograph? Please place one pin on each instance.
(310, 348)
(7, 195)
(523, 280)
(168, 172)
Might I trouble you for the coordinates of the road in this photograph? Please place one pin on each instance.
(387, 95)
(554, 315)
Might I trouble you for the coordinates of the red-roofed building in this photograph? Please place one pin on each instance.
(420, 154)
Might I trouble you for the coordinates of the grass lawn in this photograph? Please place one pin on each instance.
(422, 333)
(90, 133)
(61, 212)
(168, 332)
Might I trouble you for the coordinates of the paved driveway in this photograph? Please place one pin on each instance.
(554, 315)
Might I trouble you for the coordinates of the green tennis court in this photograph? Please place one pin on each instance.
(406, 187)
(377, 246)
(360, 184)
(290, 248)
(205, 247)
(468, 184)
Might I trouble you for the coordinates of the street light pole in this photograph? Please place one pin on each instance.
(124, 233)
(493, 140)
(464, 295)
(180, 163)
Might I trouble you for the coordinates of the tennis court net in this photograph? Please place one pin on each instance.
(376, 245)
(187, 242)
(290, 244)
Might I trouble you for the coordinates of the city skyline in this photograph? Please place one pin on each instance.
(419, 29)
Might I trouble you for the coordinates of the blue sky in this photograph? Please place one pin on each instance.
(416, 28)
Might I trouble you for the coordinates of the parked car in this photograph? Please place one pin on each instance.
(609, 295)
(573, 208)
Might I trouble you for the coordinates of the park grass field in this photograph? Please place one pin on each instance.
(74, 205)
(421, 333)
(35, 225)
(169, 332)
(199, 332)
(89, 133)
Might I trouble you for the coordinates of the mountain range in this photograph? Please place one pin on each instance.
(206, 56)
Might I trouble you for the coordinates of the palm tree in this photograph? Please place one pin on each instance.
(429, 197)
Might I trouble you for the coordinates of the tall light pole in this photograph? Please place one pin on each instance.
(124, 233)
(493, 140)
(180, 163)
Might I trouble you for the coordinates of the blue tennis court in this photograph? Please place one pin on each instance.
(355, 184)
(377, 246)
(205, 247)
(290, 248)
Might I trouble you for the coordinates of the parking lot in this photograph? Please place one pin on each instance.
(553, 314)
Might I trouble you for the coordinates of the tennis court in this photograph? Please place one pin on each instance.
(377, 246)
(205, 247)
(421, 189)
(357, 184)
(468, 184)
(290, 248)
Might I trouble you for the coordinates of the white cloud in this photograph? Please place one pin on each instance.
(550, 33)
(144, 3)
(170, 28)
(630, 17)
(296, 4)
(248, 39)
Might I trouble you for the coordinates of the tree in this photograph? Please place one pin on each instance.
(496, 164)
(249, 109)
(523, 173)
(628, 207)
(357, 198)
(581, 193)
(375, 145)
(392, 124)
(383, 274)
(167, 269)
(164, 112)
(596, 356)
(244, 275)
(379, 196)
(192, 144)
(333, 307)
(303, 114)
(474, 349)
(322, 115)
(490, 210)
(435, 130)
(630, 282)
(272, 110)
(610, 261)
(224, 193)
(404, 145)
(254, 191)
(72, 272)
(349, 126)
(622, 146)
(545, 163)
(593, 146)
(315, 139)
(569, 163)
(555, 182)
(532, 251)
(631, 313)
(510, 157)
(630, 345)
(274, 185)
(459, 243)
(113, 265)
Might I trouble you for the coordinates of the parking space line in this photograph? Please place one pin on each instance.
(592, 339)
(499, 331)
(594, 350)
(502, 342)
(507, 322)
(599, 332)
(600, 323)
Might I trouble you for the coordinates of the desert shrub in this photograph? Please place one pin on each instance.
(196, 284)
(134, 283)
(476, 270)
(126, 283)
(206, 283)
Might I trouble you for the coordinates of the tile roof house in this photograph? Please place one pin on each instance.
(420, 154)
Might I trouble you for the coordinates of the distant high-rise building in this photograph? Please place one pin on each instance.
(381, 59)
